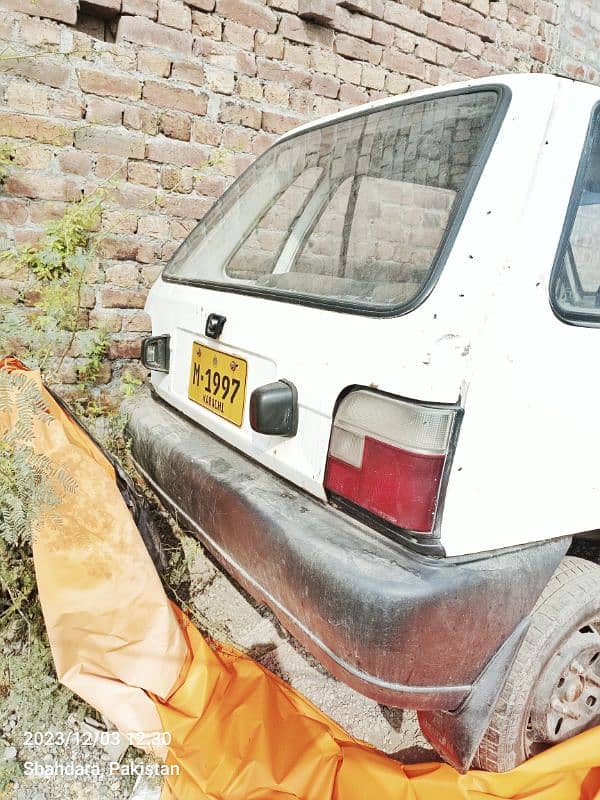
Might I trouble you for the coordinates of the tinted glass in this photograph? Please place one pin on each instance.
(577, 278)
(353, 212)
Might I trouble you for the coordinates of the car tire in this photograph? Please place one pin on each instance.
(553, 688)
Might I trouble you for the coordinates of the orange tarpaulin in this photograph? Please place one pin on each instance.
(238, 732)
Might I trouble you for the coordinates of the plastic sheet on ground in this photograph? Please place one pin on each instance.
(238, 732)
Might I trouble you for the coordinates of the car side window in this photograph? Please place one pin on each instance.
(576, 281)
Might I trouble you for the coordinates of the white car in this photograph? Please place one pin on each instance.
(376, 385)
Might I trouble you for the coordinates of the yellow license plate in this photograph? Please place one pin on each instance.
(218, 382)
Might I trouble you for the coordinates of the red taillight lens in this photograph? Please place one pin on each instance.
(387, 456)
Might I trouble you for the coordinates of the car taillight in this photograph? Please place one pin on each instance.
(387, 456)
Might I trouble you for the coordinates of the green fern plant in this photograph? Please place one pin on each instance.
(95, 354)
(64, 249)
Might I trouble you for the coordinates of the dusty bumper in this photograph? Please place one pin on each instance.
(404, 629)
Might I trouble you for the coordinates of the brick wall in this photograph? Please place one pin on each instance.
(578, 51)
(166, 101)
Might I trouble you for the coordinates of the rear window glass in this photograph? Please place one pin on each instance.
(352, 213)
(576, 283)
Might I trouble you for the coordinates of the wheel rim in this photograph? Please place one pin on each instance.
(566, 700)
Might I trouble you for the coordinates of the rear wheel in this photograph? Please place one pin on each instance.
(553, 689)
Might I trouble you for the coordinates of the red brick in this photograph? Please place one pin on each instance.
(175, 126)
(354, 24)
(396, 84)
(213, 185)
(206, 132)
(105, 112)
(124, 275)
(498, 56)
(109, 84)
(471, 67)
(155, 226)
(446, 34)
(219, 80)
(140, 8)
(547, 11)
(432, 8)
(38, 31)
(320, 11)
(426, 50)
(372, 8)
(357, 49)
(239, 35)
(139, 322)
(154, 63)
(110, 168)
(239, 114)
(282, 74)
(140, 172)
(46, 211)
(178, 180)
(206, 25)
(181, 228)
(123, 298)
(352, 95)
(404, 17)
(182, 154)
(143, 31)
(540, 52)
(298, 30)
(383, 33)
(110, 141)
(373, 77)
(24, 126)
(269, 45)
(61, 10)
(174, 14)
(167, 96)
(252, 14)
(13, 211)
(456, 14)
(151, 274)
(203, 5)
(50, 72)
(68, 105)
(238, 139)
(126, 348)
(44, 187)
(297, 54)
(185, 206)
(474, 46)
(279, 123)
(403, 63)
(120, 248)
(325, 85)
(141, 119)
(119, 221)
(108, 320)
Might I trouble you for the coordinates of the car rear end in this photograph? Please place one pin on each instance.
(310, 360)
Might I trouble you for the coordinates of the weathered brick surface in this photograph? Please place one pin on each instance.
(192, 90)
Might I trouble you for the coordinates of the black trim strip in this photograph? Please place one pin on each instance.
(504, 97)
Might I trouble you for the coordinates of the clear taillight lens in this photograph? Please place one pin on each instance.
(387, 456)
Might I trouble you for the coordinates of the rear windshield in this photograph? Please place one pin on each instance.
(353, 213)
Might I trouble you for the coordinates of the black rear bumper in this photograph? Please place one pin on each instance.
(405, 629)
